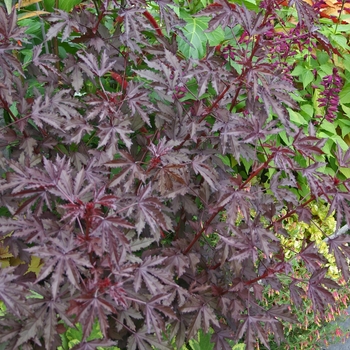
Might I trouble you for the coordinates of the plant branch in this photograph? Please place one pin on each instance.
(43, 33)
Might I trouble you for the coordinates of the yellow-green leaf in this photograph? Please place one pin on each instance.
(31, 14)
(25, 3)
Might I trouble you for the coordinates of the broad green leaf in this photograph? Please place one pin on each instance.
(33, 26)
(338, 139)
(204, 3)
(249, 4)
(307, 78)
(322, 57)
(65, 5)
(327, 68)
(344, 126)
(298, 70)
(340, 40)
(247, 164)
(345, 94)
(346, 62)
(308, 109)
(347, 111)
(215, 37)
(328, 146)
(284, 138)
(331, 140)
(195, 33)
(236, 66)
(345, 172)
(27, 56)
(296, 117)
(327, 126)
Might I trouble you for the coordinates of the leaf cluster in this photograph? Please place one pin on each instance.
(152, 180)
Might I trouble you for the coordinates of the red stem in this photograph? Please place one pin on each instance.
(207, 223)
(256, 172)
(153, 22)
(289, 214)
(199, 233)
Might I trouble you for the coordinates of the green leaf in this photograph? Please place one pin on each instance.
(75, 333)
(95, 332)
(298, 71)
(344, 126)
(236, 66)
(225, 159)
(340, 40)
(5, 212)
(65, 342)
(249, 4)
(247, 164)
(327, 68)
(345, 172)
(34, 295)
(8, 5)
(66, 5)
(307, 78)
(204, 3)
(195, 33)
(346, 110)
(344, 95)
(35, 266)
(285, 138)
(239, 347)
(296, 117)
(327, 126)
(203, 342)
(346, 62)
(2, 308)
(308, 109)
(330, 142)
(338, 139)
(322, 57)
(215, 37)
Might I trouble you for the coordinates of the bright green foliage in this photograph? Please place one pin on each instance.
(2, 308)
(239, 347)
(74, 336)
(195, 33)
(310, 332)
(203, 343)
(319, 228)
(310, 68)
(66, 5)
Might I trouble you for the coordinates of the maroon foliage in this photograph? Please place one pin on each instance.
(153, 187)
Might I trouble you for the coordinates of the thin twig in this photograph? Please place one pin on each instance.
(42, 25)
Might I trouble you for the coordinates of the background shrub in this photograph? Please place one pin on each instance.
(155, 156)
